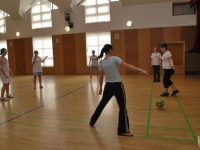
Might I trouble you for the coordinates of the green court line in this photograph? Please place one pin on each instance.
(173, 128)
(87, 121)
(172, 139)
(149, 114)
(186, 119)
(99, 133)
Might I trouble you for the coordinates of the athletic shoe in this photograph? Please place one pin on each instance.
(3, 99)
(126, 134)
(9, 96)
(91, 124)
(164, 94)
(174, 92)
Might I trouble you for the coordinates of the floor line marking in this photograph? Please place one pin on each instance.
(186, 119)
(37, 107)
(149, 113)
(100, 133)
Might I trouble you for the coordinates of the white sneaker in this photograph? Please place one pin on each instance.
(3, 99)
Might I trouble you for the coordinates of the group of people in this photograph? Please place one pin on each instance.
(6, 73)
(114, 87)
(168, 66)
(108, 66)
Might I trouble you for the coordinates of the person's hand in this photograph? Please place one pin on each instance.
(173, 67)
(11, 74)
(46, 57)
(144, 72)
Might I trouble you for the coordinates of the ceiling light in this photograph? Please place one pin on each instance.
(129, 23)
(67, 28)
(17, 33)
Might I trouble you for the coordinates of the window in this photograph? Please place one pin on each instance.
(183, 8)
(3, 44)
(41, 14)
(45, 48)
(97, 11)
(96, 41)
(3, 15)
(83, 3)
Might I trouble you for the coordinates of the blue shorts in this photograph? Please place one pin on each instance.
(37, 73)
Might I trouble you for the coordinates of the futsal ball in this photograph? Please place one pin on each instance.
(160, 103)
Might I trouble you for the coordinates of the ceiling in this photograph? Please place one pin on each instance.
(18, 7)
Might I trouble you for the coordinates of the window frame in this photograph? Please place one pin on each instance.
(41, 22)
(96, 45)
(95, 17)
(41, 50)
(3, 16)
(181, 5)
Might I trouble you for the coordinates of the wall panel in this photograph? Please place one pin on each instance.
(118, 43)
(11, 56)
(171, 34)
(156, 36)
(144, 49)
(188, 34)
(69, 54)
(131, 49)
(20, 56)
(81, 64)
(28, 50)
(58, 68)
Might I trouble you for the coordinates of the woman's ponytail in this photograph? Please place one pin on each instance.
(101, 54)
(105, 49)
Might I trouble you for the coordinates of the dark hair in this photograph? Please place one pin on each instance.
(35, 51)
(163, 45)
(2, 50)
(105, 49)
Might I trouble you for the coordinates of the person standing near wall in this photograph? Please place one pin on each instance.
(169, 69)
(93, 63)
(6, 74)
(155, 63)
(113, 87)
(37, 68)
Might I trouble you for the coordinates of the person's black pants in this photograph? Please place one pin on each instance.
(156, 72)
(167, 77)
(116, 89)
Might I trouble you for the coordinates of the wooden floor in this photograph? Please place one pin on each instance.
(57, 116)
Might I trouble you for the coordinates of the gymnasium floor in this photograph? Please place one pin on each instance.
(57, 116)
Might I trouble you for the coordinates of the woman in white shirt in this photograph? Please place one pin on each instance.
(37, 68)
(169, 69)
(93, 63)
(156, 62)
(6, 74)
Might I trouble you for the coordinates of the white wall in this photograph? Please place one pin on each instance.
(143, 16)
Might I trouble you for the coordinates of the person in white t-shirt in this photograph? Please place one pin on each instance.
(93, 63)
(6, 74)
(155, 63)
(113, 87)
(169, 69)
(37, 68)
